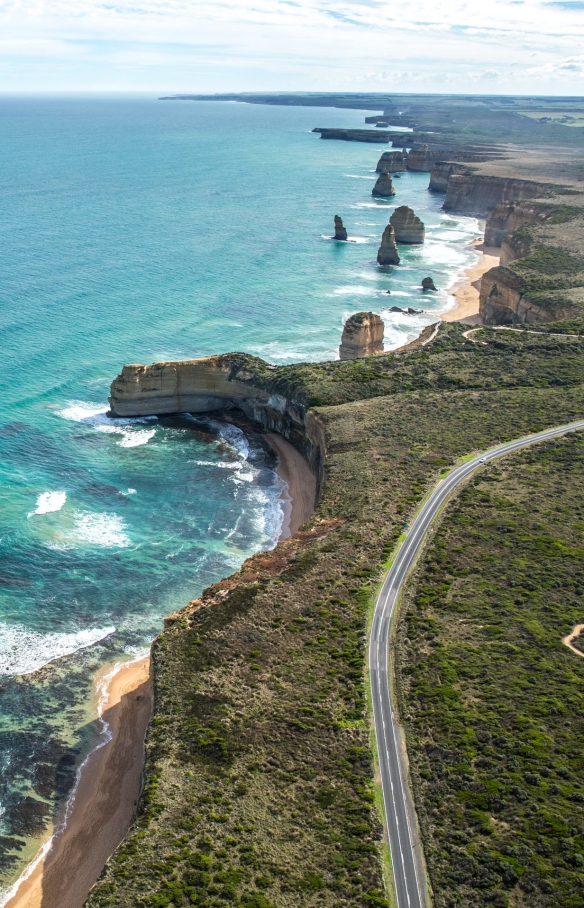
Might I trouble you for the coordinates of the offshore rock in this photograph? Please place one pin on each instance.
(362, 336)
(384, 186)
(388, 254)
(392, 162)
(340, 230)
(428, 284)
(407, 225)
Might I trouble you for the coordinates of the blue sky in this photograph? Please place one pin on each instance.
(492, 46)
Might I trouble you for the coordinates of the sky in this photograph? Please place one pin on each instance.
(174, 46)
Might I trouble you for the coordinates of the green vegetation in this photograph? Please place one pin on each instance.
(258, 773)
(492, 699)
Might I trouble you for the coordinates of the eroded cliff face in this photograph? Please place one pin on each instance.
(503, 301)
(441, 173)
(362, 336)
(408, 227)
(477, 195)
(508, 217)
(392, 162)
(232, 381)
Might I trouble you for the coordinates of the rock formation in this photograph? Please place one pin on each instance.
(441, 173)
(388, 254)
(340, 231)
(428, 284)
(384, 186)
(407, 225)
(227, 382)
(477, 195)
(503, 301)
(508, 217)
(356, 135)
(392, 162)
(362, 336)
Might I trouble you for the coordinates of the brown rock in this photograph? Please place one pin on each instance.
(428, 284)
(388, 254)
(340, 231)
(407, 225)
(362, 336)
(392, 162)
(384, 186)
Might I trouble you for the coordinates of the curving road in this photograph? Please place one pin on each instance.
(401, 826)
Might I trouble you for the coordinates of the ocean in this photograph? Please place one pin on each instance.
(134, 230)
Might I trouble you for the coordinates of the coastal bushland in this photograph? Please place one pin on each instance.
(259, 775)
(490, 696)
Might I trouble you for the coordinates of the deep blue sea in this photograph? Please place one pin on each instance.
(134, 230)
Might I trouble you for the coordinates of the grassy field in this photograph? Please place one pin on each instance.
(258, 780)
(491, 697)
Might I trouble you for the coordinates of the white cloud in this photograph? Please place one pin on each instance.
(199, 45)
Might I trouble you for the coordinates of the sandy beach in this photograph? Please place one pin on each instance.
(300, 493)
(103, 804)
(467, 294)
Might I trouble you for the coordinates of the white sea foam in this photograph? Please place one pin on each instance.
(94, 416)
(49, 502)
(23, 651)
(106, 530)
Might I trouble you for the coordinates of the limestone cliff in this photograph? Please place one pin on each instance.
(508, 217)
(504, 300)
(362, 336)
(355, 135)
(477, 195)
(232, 381)
(388, 254)
(441, 173)
(340, 229)
(408, 227)
(392, 162)
(384, 186)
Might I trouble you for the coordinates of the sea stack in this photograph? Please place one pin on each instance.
(384, 186)
(428, 284)
(340, 231)
(392, 162)
(407, 225)
(362, 336)
(388, 254)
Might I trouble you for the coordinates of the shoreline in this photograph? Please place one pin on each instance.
(100, 809)
(467, 291)
(298, 494)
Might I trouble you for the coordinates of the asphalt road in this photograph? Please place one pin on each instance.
(399, 810)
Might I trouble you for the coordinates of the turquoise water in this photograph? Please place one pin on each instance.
(134, 230)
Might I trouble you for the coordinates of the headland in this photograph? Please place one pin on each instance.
(259, 774)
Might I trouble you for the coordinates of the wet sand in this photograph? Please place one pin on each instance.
(104, 800)
(299, 496)
(467, 295)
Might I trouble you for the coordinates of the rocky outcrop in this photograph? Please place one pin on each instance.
(233, 381)
(392, 162)
(441, 173)
(383, 186)
(477, 195)
(340, 230)
(428, 284)
(408, 227)
(503, 301)
(355, 135)
(388, 254)
(362, 336)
